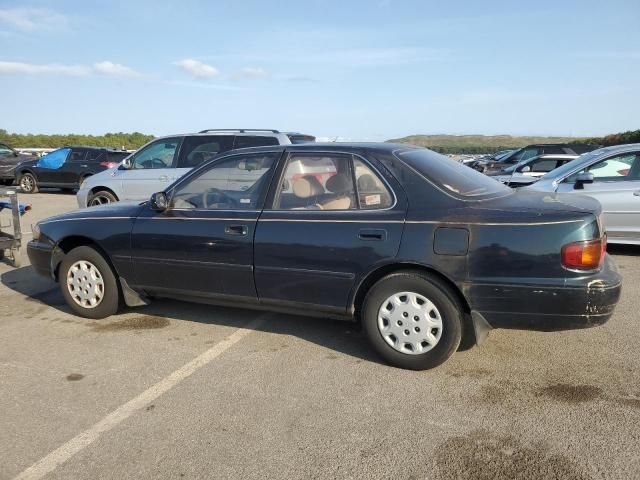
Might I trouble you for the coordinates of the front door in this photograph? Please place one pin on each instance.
(202, 245)
(333, 218)
(152, 169)
(616, 185)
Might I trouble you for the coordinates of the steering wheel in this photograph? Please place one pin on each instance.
(154, 163)
(220, 197)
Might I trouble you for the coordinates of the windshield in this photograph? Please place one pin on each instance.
(454, 177)
(570, 166)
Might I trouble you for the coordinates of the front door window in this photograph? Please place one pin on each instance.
(234, 183)
(160, 154)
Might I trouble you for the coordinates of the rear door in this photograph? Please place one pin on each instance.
(152, 169)
(616, 186)
(331, 219)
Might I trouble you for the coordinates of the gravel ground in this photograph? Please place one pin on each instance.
(177, 390)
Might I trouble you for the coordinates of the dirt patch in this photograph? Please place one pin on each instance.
(568, 393)
(141, 322)
(482, 456)
(74, 377)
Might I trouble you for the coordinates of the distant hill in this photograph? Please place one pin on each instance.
(476, 143)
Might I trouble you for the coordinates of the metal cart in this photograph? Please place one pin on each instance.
(10, 232)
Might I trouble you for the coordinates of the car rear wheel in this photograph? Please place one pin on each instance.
(101, 197)
(88, 283)
(413, 320)
(28, 183)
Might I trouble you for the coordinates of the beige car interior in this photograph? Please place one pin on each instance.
(309, 187)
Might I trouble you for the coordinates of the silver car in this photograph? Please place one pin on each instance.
(163, 160)
(612, 176)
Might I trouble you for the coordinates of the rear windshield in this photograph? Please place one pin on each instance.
(453, 177)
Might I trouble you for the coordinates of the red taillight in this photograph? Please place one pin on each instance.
(108, 164)
(586, 255)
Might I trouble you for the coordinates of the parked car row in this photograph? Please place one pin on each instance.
(611, 175)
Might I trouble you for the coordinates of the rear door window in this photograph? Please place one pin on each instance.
(543, 165)
(245, 141)
(95, 155)
(317, 182)
(201, 148)
(372, 192)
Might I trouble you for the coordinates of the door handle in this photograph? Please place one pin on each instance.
(163, 178)
(236, 230)
(84, 166)
(372, 234)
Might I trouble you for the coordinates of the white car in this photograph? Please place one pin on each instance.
(163, 160)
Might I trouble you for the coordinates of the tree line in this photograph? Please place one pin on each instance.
(128, 141)
(631, 136)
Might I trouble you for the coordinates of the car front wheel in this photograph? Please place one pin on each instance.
(28, 183)
(101, 197)
(413, 320)
(88, 283)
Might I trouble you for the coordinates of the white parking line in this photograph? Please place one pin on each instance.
(49, 463)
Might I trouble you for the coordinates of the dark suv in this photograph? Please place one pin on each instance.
(66, 167)
(528, 152)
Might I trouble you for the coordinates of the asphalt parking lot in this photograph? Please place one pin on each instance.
(177, 390)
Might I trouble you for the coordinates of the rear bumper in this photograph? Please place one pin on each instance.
(571, 303)
(40, 257)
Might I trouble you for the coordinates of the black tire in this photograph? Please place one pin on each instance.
(111, 293)
(101, 197)
(28, 183)
(446, 302)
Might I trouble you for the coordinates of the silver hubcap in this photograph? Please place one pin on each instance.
(85, 284)
(26, 183)
(100, 200)
(410, 323)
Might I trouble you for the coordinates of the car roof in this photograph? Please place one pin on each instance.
(331, 147)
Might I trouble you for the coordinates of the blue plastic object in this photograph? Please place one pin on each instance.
(21, 206)
(53, 160)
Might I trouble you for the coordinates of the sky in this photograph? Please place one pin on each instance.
(358, 70)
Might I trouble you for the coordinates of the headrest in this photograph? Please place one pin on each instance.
(307, 186)
(339, 183)
(366, 183)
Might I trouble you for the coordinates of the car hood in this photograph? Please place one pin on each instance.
(99, 178)
(111, 210)
(11, 160)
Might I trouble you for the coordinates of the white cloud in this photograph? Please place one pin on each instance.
(253, 72)
(115, 69)
(197, 69)
(104, 68)
(32, 19)
(48, 69)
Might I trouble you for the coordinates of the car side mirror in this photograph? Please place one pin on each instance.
(125, 165)
(526, 169)
(582, 178)
(159, 202)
